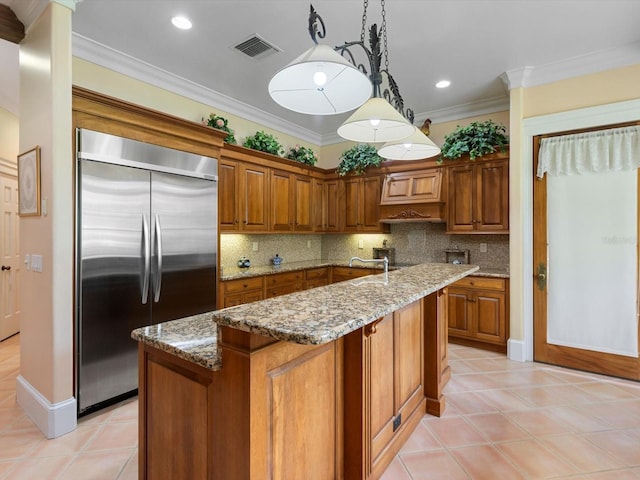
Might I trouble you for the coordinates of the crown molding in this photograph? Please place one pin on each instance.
(528, 76)
(581, 65)
(107, 57)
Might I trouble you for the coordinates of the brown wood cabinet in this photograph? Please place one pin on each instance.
(478, 312)
(388, 354)
(244, 290)
(478, 197)
(413, 186)
(251, 289)
(362, 204)
(414, 196)
(243, 196)
(340, 274)
(333, 205)
(316, 277)
(280, 410)
(283, 283)
(291, 204)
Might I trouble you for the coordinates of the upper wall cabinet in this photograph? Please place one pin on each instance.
(478, 197)
(413, 196)
(362, 200)
(243, 196)
(291, 202)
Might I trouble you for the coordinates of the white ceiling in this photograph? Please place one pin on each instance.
(472, 43)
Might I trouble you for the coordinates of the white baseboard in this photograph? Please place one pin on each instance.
(516, 350)
(53, 420)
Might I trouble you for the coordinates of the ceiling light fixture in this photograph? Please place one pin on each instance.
(443, 84)
(183, 23)
(382, 118)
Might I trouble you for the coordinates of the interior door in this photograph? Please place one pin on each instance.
(593, 275)
(9, 257)
(184, 240)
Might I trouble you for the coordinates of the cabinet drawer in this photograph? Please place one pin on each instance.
(318, 282)
(284, 278)
(284, 289)
(314, 273)
(481, 282)
(340, 274)
(242, 285)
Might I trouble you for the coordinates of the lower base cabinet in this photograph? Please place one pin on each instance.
(280, 411)
(478, 313)
(384, 390)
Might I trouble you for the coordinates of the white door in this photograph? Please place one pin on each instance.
(9, 257)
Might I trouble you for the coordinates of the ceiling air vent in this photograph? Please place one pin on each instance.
(256, 47)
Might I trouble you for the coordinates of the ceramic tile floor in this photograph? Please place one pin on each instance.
(504, 420)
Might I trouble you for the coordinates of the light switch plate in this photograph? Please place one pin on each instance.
(255, 246)
(361, 244)
(36, 263)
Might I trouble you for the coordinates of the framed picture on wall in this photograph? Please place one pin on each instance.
(29, 183)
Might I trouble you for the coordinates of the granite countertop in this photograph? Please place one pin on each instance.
(194, 339)
(233, 273)
(310, 317)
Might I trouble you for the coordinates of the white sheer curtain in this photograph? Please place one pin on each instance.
(610, 150)
(592, 214)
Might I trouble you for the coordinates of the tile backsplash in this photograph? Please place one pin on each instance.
(413, 243)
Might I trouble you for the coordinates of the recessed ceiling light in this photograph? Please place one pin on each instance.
(181, 22)
(443, 84)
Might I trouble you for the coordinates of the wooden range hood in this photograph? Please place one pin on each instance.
(413, 196)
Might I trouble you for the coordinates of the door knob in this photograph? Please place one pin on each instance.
(4, 267)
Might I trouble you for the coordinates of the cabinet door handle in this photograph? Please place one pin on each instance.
(4, 267)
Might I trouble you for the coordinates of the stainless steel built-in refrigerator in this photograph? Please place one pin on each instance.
(146, 253)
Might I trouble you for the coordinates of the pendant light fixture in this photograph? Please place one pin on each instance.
(381, 114)
(320, 81)
(414, 147)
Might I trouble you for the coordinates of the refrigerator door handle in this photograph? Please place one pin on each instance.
(158, 286)
(146, 254)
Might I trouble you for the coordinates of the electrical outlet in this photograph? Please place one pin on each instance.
(36, 263)
(308, 243)
(255, 246)
(361, 244)
(483, 248)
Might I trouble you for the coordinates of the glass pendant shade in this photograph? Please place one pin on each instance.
(320, 82)
(414, 147)
(375, 121)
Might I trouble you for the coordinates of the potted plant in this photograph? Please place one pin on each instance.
(476, 139)
(220, 123)
(302, 154)
(358, 158)
(264, 142)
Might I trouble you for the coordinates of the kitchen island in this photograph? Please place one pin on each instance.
(322, 384)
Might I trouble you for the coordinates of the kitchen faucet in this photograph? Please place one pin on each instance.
(384, 260)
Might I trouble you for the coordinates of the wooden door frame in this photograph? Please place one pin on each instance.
(572, 357)
(521, 207)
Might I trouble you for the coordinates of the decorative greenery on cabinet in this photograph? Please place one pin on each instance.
(358, 158)
(264, 142)
(303, 155)
(476, 139)
(221, 123)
